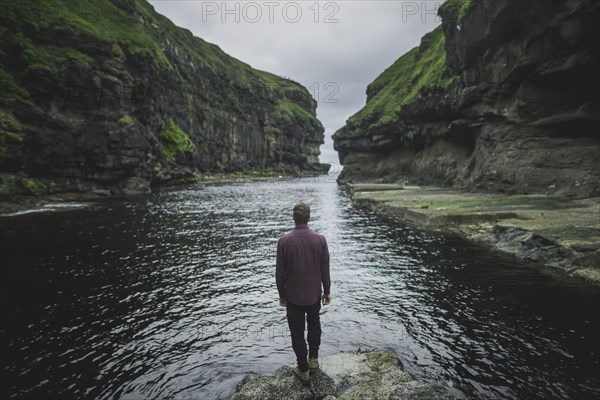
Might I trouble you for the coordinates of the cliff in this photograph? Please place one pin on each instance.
(111, 96)
(502, 97)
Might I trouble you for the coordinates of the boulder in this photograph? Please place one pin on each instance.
(344, 376)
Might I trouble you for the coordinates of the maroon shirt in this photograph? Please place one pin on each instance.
(302, 265)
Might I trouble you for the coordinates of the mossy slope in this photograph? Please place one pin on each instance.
(174, 142)
(416, 74)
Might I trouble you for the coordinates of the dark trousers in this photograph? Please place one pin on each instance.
(295, 316)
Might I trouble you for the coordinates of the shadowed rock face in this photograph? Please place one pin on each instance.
(111, 95)
(515, 109)
(345, 376)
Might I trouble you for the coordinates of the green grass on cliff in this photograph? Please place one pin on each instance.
(12, 93)
(459, 8)
(11, 134)
(288, 111)
(11, 130)
(415, 74)
(174, 141)
(126, 120)
(82, 22)
(239, 74)
(210, 56)
(16, 184)
(46, 57)
(56, 36)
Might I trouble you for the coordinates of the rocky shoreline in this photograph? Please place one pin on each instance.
(344, 376)
(15, 204)
(535, 229)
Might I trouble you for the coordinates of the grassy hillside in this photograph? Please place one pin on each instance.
(418, 72)
(101, 21)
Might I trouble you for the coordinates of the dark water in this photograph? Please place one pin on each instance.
(172, 296)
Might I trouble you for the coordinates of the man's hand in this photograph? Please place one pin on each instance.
(326, 299)
(282, 302)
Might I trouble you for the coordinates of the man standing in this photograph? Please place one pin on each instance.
(302, 265)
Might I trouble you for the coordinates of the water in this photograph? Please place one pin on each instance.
(172, 296)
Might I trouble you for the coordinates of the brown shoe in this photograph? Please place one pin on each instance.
(313, 363)
(304, 376)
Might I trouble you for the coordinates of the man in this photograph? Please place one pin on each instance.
(302, 265)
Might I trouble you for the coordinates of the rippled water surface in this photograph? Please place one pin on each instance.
(173, 296)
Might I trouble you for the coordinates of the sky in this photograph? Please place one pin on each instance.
(333, 48)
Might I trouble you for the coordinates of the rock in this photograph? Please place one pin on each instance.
(367, 187)
(344, 376)
(100, 192)
(511, 111)
(135, 185)
(418, 391)
(585, 247)
(284, 384)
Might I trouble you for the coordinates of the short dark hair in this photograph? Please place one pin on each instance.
(301, 213)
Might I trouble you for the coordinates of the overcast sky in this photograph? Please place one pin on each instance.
(334, 48)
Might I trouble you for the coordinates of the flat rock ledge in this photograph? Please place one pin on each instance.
(344, 376)
(552, 231)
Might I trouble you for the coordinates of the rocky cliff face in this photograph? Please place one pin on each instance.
(503, 96)
(112, 95)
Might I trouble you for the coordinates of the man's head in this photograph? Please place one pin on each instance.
(301, 213)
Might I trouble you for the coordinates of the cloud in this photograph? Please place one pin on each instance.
(334, 48)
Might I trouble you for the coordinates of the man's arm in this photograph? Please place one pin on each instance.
(280, 271)
(325, 279)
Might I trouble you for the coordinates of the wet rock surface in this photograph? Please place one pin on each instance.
(544, 230)
(347, 376)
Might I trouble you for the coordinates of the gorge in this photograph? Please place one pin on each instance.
(147, 176)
